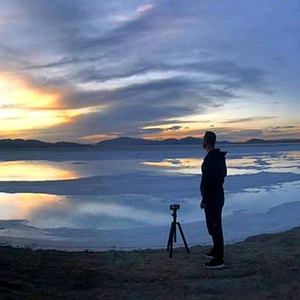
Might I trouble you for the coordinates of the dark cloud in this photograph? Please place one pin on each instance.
(78, 29)
(117, 71)
(131, 108)
(286, 127)
(126, 120)
(177, 121)
(120, 36)
(87, 51)
(160, 93)
(253, 119)
(282, 129)
(159, 130)
(174, 128)
(127, 44)
(151, 131)
(250, 77)
(11, 58)
(234, 76)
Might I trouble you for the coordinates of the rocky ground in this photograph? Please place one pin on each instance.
(261, 267)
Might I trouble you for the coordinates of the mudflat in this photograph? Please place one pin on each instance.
(261, 267)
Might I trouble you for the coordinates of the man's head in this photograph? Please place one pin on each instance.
(209, 140)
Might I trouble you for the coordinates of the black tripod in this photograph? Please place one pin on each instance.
(172, 235)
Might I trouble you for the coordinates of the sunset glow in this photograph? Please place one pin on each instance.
(17, 93)
(20, 206)
(33, 171)
(149, 70)
(27, 108)
(176, 163)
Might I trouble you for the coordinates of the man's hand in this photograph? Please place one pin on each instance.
(203, 205)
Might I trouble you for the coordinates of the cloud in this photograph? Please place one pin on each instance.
(151, 131)
(174, 128)
(252, 119)
(289, 129)
(178, 92)
(160, 63)
(285, 127)
(156, 130)
(145, 8)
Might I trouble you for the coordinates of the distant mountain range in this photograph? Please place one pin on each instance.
(127, 141)
(20, 143)
(279, 141)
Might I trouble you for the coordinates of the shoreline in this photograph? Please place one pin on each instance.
(261, 267)
(237, 227)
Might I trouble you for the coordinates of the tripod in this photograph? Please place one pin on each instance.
(172, 235)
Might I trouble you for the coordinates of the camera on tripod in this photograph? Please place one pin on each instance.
(174, 207)
(172, 235)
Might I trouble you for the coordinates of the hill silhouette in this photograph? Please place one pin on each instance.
(20, 143)
(128, 141)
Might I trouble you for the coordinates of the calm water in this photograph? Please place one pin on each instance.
(112, 189)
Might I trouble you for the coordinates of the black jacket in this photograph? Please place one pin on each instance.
(214, 171)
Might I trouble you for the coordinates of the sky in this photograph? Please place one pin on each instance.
(88, 70)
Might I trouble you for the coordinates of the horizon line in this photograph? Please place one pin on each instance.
(150, 140)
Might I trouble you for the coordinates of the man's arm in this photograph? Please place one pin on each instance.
(206, 183)
(202, 205)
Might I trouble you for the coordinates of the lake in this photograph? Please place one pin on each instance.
(114, 188)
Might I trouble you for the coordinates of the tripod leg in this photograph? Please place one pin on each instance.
(170, 240)
(170, 243)
(173, 233)
(175, 237)
(183, 238)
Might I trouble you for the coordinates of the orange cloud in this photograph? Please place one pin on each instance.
(18, 92)
(24, 106)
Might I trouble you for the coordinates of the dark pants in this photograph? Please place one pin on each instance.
(213, 217)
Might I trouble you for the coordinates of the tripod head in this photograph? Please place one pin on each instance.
(174, 207)
(172, 235)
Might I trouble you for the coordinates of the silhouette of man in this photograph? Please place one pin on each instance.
(214, 171)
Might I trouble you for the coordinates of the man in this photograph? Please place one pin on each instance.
(214, 172)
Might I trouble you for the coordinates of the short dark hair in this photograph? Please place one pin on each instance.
(210, 138)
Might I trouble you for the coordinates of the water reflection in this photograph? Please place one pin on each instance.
(98, 212)
(42, 170)
(21, 205)
(66, 170)
(260, 200)
(284, 163)
(178, 165)
(123, 210)
(131, 211)
(192, 166)
(35, 171)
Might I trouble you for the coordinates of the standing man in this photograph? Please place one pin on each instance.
(214, 172)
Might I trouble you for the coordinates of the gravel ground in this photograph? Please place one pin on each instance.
(261, 267)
